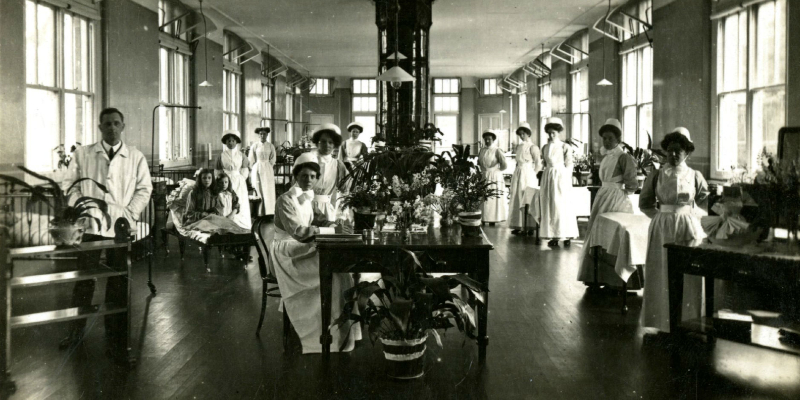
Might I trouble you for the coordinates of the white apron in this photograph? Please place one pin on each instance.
(494, 209)
(611, 197)
(262, 159)
(325, 190)
(557, 220)
(523, 178)
(675, 221)
(296, 267)
(231, 163)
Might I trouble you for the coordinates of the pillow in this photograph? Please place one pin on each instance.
(178, 198)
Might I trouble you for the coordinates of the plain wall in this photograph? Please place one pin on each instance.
(12, 83)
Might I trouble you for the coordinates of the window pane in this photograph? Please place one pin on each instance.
(164, 134)
(437, 86)
(69, 53)
(646, 79)
(43, 129)
(373, 86)
(45, 45)
(734, 52)
(770, 44)
(645, 125)
(732, 130)
(769, 115)
(629, 133)
(629, 78)
(373, 104)
(448, 124)
(163, 75)
(357, 86)
(30, 42)
(77, 119)
(437, 104)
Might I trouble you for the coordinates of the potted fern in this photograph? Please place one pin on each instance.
(406, 306)
(69, 222)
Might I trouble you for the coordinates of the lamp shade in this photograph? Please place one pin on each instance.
(397, 55)
(396, 74)
(604, 82)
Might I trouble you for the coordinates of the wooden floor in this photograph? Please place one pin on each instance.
(548, 339)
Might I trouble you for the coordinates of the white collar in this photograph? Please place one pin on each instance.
(324, 159)
(682, 167)
(107, 146)
(616, 150)
(297, 192)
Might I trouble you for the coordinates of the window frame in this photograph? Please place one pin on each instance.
(267, 103)
(93, 79)
(369, 94)
(327, 84)
(749, 90)
(579, 106)
(497, 91)
(640, 101)
(184, 136)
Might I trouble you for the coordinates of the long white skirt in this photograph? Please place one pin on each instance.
(557, 219)
(263, 179)
(665, 228)
(608, 200)
(523, 178)
(239, 186)
(297, 269)
(495, 209)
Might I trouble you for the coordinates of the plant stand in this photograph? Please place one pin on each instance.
(405, 359)
(470, 223)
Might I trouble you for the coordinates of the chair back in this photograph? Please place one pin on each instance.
(264, 231)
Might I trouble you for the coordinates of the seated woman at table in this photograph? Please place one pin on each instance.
(618, 174)
(294, 256)
(492, 162)
(557, 217)
(528, 159)
(677, 189)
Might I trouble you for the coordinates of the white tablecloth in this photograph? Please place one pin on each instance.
(624, 236)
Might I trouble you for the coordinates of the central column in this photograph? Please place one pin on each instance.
(403, 25)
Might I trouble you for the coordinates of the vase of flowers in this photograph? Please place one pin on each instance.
(470, 191)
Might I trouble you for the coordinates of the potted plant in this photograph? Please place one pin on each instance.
(368, 200)
(647, 159)
(405, 306)
(581, 167)
(68, 223)
(470, 191)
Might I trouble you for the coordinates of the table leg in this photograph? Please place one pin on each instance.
(624, 296)
(206, 255)
(326, 294)
(525, 221)
(5, 314)
(482, 276)
(596, 259)
(675, 291)
(709, 296)
(150, 256)
(118, 292)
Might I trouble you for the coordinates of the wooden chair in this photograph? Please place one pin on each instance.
(264, 231)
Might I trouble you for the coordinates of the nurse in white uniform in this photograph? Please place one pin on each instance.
(293, 254)
(234, 164)
(329, 187)
(492, 162)
(557, 216)
(529, 160)
(262, 158)
(352, 149)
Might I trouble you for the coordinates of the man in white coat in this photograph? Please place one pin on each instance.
(123, 170)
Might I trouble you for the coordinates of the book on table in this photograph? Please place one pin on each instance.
(338, 237)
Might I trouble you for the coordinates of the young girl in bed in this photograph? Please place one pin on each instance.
(203, 200)
(227, 200)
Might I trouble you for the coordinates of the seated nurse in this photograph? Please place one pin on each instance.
(294, 256)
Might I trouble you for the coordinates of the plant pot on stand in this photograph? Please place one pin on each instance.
(405, 359)
(470, 223)
(66, 234)
(364, 220)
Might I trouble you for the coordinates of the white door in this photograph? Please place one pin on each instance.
(448, 124)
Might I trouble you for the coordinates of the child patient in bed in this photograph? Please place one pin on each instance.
(203, 200)
(227, 201)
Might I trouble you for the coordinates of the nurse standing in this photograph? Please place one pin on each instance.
(557, 217)
(492, 163)
(332, 171)
(262, 158)
(234, 164)
(676, 189)
(618, 174)
(352, 149)
(528, 159)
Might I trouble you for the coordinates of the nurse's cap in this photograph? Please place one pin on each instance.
(683, 131)
(307, 157)
(356, 125)
(555, 121)
(526, 127)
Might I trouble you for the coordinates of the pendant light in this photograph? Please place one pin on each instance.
(205, 82)
(604, 81)
(396, 75)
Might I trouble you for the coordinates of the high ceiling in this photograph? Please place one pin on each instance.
(468, 38)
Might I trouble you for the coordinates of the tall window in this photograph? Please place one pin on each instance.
(289, 114)
(266, 102)
(580, 107)
(751, 83)
(365, 107)
(445, 109)
(644, 12)
(637, 96)
(173, 89)
(490, 88)
(321, 87)
(231, 84)
(60, 77)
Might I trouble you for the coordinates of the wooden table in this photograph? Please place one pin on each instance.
(775, 269)
(119, 300)
(451, 253)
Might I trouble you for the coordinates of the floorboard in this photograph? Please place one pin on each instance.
(549, 339)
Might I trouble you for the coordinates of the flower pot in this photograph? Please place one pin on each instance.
(66, 234)
(405, 359)
(363, 220)
(640, 179)
(470, 223)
